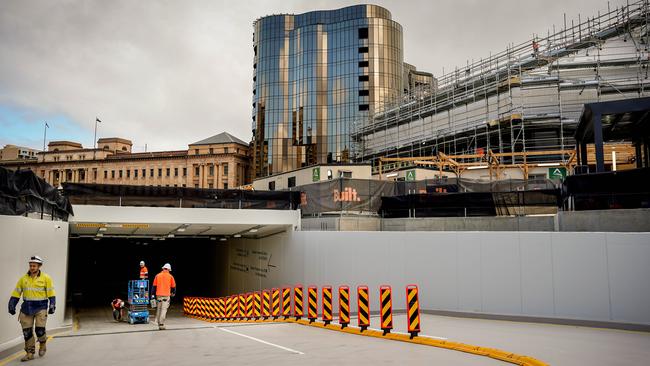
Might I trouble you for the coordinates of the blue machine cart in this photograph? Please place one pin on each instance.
(138, 301)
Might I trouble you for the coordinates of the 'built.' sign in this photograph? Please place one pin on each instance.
(348, 195)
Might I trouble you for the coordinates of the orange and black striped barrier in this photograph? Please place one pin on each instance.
(212, 304)
(235, 306)
(249, 305)
(228, 307)
(222, 308)
(257, 304)
(312, 306)
(298, 303)
(286, 302)
(327, 305)
(386, 308)
(242, 306)
(412, 310)
(266, 304)
(344, 306)
(275, 302)
(363, 318)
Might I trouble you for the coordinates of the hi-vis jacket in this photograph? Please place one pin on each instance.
(35, 292)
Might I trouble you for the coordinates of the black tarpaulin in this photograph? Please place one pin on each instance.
(22, 192)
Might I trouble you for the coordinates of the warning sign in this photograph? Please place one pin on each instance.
(557, 173)
(410, 175)
(315, 174)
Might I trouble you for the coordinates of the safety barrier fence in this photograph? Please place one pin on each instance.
(269, 305)
(277, 303)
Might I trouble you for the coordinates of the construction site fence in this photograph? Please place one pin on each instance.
(367, 195)
(24, 193)
(472, 204)
(182, 197)
(625, 189)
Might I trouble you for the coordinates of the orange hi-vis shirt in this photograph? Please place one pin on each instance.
(164, 283)
(144, 273)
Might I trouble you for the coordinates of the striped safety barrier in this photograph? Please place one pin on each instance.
(266, 304)
(286, 302)
(312, 303)
(249, 306)
(363, 316)
(386, 308)
(327, 305)
(257, 304)
(412, 310)
(344, 306)
(275, 303)
(298, 303)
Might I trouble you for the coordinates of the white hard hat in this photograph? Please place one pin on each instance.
(36, 259)
(167, 266)
(142, 263)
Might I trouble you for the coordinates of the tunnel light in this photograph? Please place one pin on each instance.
(96, 238)
(99, 235)
(163, 238)
(237, 236)
(213, 238)
(102, 229)
(170, 235)
(181, 229)
(252, 230)
(223, 239)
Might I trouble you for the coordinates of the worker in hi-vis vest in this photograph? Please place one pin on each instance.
(164, 287)
(39, 300)
(144, 272)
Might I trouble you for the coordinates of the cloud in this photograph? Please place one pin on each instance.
(167, 73)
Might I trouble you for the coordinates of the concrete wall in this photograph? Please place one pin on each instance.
(632, 220)
(584, 276)
(605, 220)
(497, 223)
(21, 238)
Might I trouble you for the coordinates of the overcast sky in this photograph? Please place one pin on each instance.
(168, 73)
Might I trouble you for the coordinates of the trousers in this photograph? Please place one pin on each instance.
(161, 309)
(28, 322)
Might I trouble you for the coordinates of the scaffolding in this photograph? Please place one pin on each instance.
(527, 98)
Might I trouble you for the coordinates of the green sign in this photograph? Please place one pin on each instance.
(557, 173)
(410, 175)
(315, 174)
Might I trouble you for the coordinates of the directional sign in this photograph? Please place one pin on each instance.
(315, 174)
(557, 173)
(410, 175)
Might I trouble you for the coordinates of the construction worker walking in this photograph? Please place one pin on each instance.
(144, 272)
(164, 287)
(39, 300)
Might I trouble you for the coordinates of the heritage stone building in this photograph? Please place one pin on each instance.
(220, 161)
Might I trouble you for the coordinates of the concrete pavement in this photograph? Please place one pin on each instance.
(100, 341)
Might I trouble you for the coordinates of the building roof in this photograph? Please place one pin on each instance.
(222, 138)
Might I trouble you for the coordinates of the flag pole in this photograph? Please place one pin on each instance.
(44, 134)
(95, 140)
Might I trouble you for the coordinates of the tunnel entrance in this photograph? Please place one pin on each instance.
(99, 270)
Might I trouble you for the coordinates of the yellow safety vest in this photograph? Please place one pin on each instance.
(37, 288)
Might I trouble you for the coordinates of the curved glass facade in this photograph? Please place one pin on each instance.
(315, 76)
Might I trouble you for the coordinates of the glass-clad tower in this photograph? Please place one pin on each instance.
(315, 76)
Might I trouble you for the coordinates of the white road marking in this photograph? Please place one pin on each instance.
(262, 341)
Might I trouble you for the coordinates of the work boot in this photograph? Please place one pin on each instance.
(161, 327)
(27, 357)
(42, 349)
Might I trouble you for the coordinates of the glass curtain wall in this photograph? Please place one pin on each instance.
(315, 76)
